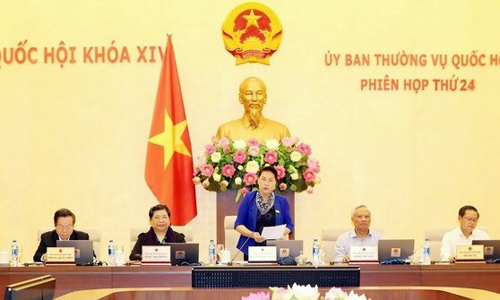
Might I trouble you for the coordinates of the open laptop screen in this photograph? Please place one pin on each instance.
(395, 249)
(184, 253)
(491, 249)
(84, 251)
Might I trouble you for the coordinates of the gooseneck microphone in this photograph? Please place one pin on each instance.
(239, 250)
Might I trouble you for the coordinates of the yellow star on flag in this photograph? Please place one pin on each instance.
(170, 139)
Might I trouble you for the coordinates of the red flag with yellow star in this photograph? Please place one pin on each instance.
(169, 166)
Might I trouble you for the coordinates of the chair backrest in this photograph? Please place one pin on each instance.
(186, 230)
(435, 236)
(231, 237)
(329, 237)
(94, 233)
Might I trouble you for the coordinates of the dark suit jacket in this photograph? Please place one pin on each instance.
(149, 239)
(48, 239)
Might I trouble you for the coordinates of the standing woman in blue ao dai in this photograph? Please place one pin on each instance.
(262, 208)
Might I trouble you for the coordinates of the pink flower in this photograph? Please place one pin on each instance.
(313, 164)
(209, 149)
(207, 170)
(253, 151)
(239, 157)
(223, 142)
(257, 296)
(271, 157)
(310, 189)
(228, 170)
(226, 150)
(250, 179)
(224, 183)
(282, 186)
(214, 139)
(309, 175)
(254, 142)
(304, 149)
(287, 142)
(202, 160)
(205, 183)
(335, 293)
(244, 191)
(281, 172)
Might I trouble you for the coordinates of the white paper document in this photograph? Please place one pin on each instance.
(273, 232)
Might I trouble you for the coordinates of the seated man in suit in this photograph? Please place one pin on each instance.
(64, 221)
(360, 235)
(468, 216)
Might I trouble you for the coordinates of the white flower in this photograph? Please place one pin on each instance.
(317, 180)
(215, 157)
(239, 144)
(294, 176)
(216, 177)
(237, 181)
(303, 292)
(295, 156)
(354, 296)
(272, 144)
(252, 167)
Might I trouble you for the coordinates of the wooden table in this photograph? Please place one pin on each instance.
(72, 278)
(375, 293)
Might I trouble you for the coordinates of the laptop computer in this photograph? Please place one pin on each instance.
(286, 248)
(491, 249)
(84, 251)
(184, 253)
(399, 249)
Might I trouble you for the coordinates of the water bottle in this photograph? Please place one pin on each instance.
(426, 253)
(315, 253)
(212, 260)
(14, 253)
(111, 253)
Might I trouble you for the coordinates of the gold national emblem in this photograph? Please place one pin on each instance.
(252, 33)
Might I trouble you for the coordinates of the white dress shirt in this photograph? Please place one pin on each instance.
(350, 238)
(455, 237)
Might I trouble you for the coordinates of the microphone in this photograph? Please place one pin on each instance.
(239, 251)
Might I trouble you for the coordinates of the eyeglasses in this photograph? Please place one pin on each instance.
(470, 219)
(162, 218)
(61, 227)
(270, 180)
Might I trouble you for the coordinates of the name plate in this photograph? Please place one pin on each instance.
(363, 253)
(262, 254)
(470, 252)
(63, 255)
(156, 254)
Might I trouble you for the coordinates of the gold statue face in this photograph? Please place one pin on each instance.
(253, 97)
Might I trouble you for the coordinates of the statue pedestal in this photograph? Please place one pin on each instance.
(226, 206)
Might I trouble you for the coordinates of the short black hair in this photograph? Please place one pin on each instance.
(63, 212)
(269, 169)
(157, 208)
(463, 209)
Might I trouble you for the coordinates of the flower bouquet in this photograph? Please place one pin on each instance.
(301, 292)
(226, 164)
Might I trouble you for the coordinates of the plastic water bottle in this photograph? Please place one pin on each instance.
(426, 253)
(14, 253)
(212, 259)
(315, 253)
(111, 253)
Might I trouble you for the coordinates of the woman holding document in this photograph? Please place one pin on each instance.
(259, 209)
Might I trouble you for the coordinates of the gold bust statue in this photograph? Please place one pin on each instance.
(253, 96)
